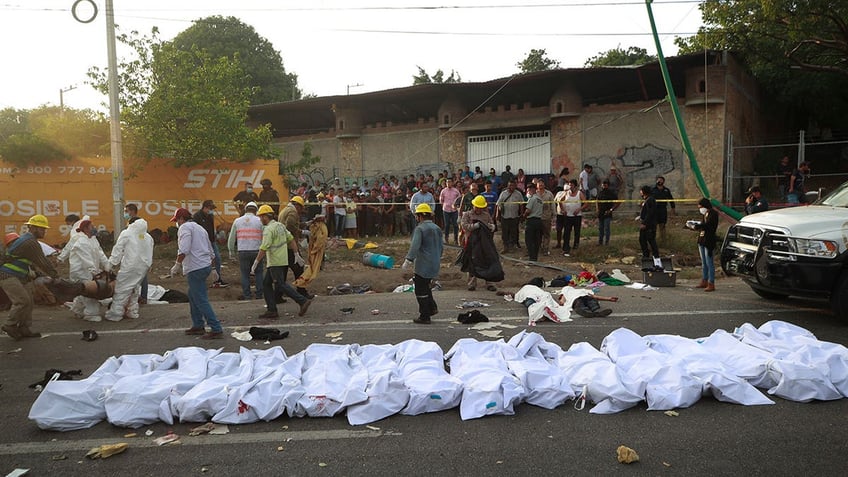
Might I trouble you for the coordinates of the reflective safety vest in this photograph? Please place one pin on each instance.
(16, 266)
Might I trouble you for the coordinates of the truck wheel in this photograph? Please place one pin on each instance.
(839, 298)
(769, 295)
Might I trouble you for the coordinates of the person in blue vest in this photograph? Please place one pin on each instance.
(24, 260)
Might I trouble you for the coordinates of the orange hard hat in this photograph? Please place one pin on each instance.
(10, 237)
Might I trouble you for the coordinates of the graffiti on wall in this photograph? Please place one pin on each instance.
(640, 166)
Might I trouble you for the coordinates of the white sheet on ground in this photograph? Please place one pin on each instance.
(488, 385)
(73, 405)
(138, 400)
(387, 394)
(422, 368)
(333, 378)
(373, 382)
(543, 382)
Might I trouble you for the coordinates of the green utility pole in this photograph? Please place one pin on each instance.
(681, 128)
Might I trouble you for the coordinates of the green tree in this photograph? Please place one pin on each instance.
(293, 169)
(798, 51)
(79, 132)
(621, 57)
(537, 60)
(228, 37)
(48, 134)
(438, 77)
(185, 106)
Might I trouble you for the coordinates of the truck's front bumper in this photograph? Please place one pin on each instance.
(779, 274)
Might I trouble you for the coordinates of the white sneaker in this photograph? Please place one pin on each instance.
(114, 319)
(94, 318)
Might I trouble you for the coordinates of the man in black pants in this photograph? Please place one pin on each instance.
(648, 226)
(533, 228)
(664, 200)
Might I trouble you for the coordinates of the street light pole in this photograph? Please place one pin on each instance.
(353, 86)
(62, 92)
(115, 122)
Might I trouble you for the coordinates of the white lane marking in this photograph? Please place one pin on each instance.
(406, 323)
(83, 445)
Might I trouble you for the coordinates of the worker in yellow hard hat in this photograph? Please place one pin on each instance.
(24, 260)
(480, 246)
(425, 253)
(290, 216)
(276, 239)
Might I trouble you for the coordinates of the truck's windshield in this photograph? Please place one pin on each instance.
(837, 198)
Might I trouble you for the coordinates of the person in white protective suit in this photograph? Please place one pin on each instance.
(86, 259)
(133, 251)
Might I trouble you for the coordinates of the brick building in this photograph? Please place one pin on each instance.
(540, 122)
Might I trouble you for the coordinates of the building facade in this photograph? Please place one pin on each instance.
(541, 122)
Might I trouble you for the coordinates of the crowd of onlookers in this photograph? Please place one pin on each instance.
(384, 206)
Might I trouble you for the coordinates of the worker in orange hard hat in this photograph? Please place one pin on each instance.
(25, 259)
(10, 237)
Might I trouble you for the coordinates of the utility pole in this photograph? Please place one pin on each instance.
(114, 106)
(115, 122)
(62, 92)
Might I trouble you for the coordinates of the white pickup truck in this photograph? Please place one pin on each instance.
(800, 251)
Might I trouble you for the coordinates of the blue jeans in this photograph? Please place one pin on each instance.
(707, 264)
(217, 260)
(275, 283)
(340, 225)
(198, 300)
(450, 222)
(246, 259)
(604, 230)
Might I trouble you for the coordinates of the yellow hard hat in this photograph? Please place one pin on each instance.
(265, 209)
(298, 200)
(38, 221)
(423, 209)
(479, 202)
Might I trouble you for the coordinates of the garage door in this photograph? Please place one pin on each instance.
(530, 151)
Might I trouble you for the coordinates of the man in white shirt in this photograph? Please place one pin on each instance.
(194, 260)
(246, 236)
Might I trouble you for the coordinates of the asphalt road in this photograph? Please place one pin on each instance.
(709, 438)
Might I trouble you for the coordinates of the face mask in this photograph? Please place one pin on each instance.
(249, 190)
(211, 212)
(126, 216)
(702, 210)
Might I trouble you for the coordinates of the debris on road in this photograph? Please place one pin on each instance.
(107, 450)
(626, 455)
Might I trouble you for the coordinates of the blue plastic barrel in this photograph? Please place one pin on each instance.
(377, 260)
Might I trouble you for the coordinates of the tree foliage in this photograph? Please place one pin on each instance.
(798, 51)
(620, 57)
(293, 169)
(537, 60)
(437, 78)
(185, 106)
(49, 134)
(228, 37)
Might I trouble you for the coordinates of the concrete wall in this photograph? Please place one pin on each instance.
(639, 144)
(327, 148)
(400, 153)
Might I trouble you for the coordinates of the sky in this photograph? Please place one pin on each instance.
(335, 47)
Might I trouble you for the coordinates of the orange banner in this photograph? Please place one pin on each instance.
(84, 187)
